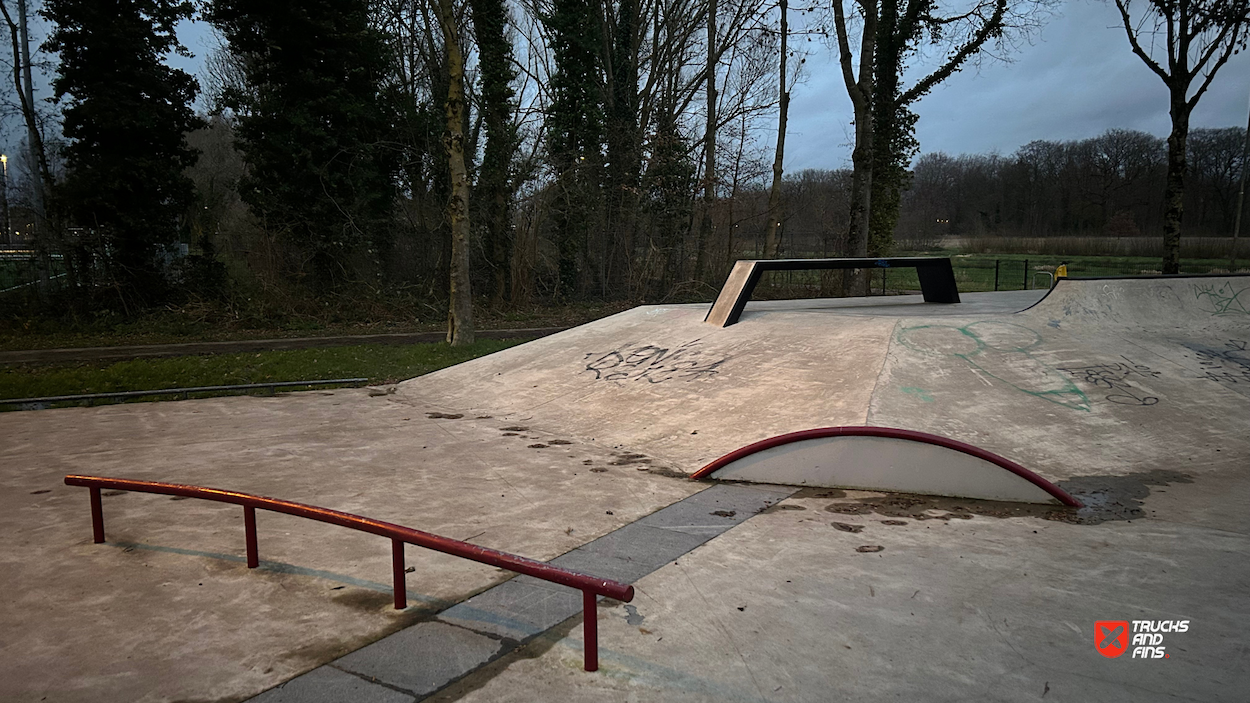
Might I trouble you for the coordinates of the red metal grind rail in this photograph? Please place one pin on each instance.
(399, 535)
(891, 433)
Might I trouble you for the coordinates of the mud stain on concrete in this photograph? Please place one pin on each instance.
(1104, 498)
(1108, 498)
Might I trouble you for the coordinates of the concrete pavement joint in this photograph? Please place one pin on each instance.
(492, 624)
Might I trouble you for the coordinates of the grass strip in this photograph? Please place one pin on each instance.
(380, 363)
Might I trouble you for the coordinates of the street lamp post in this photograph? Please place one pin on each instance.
(4, 197)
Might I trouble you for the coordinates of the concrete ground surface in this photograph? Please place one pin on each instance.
(1132, 395)
(168, 611)
(783, 608)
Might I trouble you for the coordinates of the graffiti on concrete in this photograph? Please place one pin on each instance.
(1223, 298)
(920, 393)
(1114, 378)
(1228, 365)
(647, 362)
(1003, 351)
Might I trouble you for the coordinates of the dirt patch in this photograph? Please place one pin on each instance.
(665, 472)
(515, 428)
(778, 507)
(627, 459)
(1104, 498)
(444, 416)
(364, 599)
(847, 527)
(918, 507)
(1107, 498)
(558, 441)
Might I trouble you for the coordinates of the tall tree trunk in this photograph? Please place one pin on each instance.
(709, 147)
(494, 191)
(1174, 193)
(460, 309)
(730, 223)
(38, 158)
(38, 161)
(772, 242)
(624, 149)
(860, 90)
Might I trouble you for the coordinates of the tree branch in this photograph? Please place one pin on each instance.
(1132, 40)
(992, 26)
(844, 54)
(1229, 50)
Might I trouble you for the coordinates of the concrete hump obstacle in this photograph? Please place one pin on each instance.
(885, 459)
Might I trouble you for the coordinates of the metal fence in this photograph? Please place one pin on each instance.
(973, 273)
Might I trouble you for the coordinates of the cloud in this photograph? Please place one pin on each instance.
(1076, 80)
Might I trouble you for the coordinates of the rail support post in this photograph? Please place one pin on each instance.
(97, 516)
(397, 565)
(249, 529)
(590, 624)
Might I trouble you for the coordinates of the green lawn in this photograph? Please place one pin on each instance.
(378, 363)
(191, 323)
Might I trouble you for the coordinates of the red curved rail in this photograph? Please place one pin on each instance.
(590, 586)
(892, 433)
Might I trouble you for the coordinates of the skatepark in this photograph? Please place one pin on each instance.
(1035, 462)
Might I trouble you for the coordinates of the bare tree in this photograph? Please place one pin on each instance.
(772, 241)
(20, 42)
(962, 31)
(1198, 36)
(709, 141)
(460, 308)
(860, 89)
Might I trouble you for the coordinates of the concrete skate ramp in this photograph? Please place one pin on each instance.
(885, 458)
(1154, 302)
(1105, 377)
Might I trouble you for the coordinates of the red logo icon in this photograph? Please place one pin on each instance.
(1111, 637)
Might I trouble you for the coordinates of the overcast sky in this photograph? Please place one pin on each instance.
(1076, 79)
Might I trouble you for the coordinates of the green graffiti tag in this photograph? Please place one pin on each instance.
(1001, 351)
(1222, 299)
(918, 392)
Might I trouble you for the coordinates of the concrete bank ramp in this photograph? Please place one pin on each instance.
(657, 381)
(1101, 377)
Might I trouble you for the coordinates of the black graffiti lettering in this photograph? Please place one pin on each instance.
(653, 364)
(1113, 377)
(607, 361)
(1228, 365)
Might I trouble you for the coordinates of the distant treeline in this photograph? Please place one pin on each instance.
(1106, 186)
(1110, 185)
